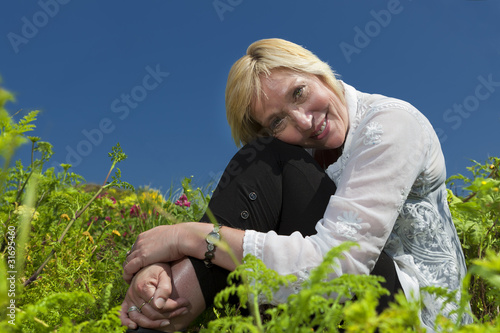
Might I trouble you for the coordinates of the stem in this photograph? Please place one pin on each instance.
(32, 153)
(479, 255)
(256, 313)
(51, 254)
(20, 191)
(109, 173)
(97, 242)
(470, 196)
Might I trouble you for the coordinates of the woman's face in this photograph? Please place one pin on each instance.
(300, 109)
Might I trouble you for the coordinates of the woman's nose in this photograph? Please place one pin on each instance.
(302, 120)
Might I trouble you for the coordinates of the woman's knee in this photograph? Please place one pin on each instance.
(262, 155)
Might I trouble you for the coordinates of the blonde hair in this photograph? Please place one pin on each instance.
(244, 87)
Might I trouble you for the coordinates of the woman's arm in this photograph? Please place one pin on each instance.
(173, 242)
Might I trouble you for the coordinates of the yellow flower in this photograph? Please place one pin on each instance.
(116, 232)
(483, 182)
(152, 196)
(129, 200)
(86, 233)
(495, 189)
(65, 216)
(492, 166)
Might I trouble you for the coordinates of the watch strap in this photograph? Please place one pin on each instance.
(211, 238)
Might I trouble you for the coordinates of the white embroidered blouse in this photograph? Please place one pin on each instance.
(391, 196)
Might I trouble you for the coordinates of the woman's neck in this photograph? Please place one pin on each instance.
(326, 157)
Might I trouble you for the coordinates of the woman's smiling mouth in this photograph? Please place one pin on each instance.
(320, 131)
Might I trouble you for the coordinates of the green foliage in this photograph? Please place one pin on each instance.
(322, 304)
(67, 239)
(476, 213)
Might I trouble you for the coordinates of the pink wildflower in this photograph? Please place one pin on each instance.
(183, 201)
(135, 211)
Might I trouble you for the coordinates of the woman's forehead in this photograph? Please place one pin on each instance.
(280, 81)
(279, 75)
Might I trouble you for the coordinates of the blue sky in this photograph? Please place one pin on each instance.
(151, 75)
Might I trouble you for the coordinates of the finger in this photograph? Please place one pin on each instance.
(152, 314)
(143, 321)
(173, 304)
(143, 308)
(126, 321)
(163, 289)
(132, 266)
(179, 312)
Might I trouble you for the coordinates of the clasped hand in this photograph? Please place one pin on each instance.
(157, 245)
(153, 299)
(147, 271)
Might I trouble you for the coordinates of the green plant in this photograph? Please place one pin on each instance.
(476, 212)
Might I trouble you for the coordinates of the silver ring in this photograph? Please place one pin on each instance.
(140, 308)
(130, 251)
(133, 308)
(151, 299)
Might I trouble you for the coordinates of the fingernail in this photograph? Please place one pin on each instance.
(185, 312)
(160, 302)
(164, 323)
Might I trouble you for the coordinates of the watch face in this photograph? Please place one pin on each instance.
(213, 236)
(216, 236)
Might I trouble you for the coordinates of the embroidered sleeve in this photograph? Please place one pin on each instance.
(388, 151)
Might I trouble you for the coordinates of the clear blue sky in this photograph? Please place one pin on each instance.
(151, 75)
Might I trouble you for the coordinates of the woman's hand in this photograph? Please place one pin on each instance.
(157, 245)
(152, 293)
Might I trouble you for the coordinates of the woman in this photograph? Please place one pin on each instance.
(390, 189)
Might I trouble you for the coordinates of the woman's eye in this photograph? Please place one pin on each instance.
(298, 93)
(277, 124)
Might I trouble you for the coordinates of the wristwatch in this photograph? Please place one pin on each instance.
(212, 238)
